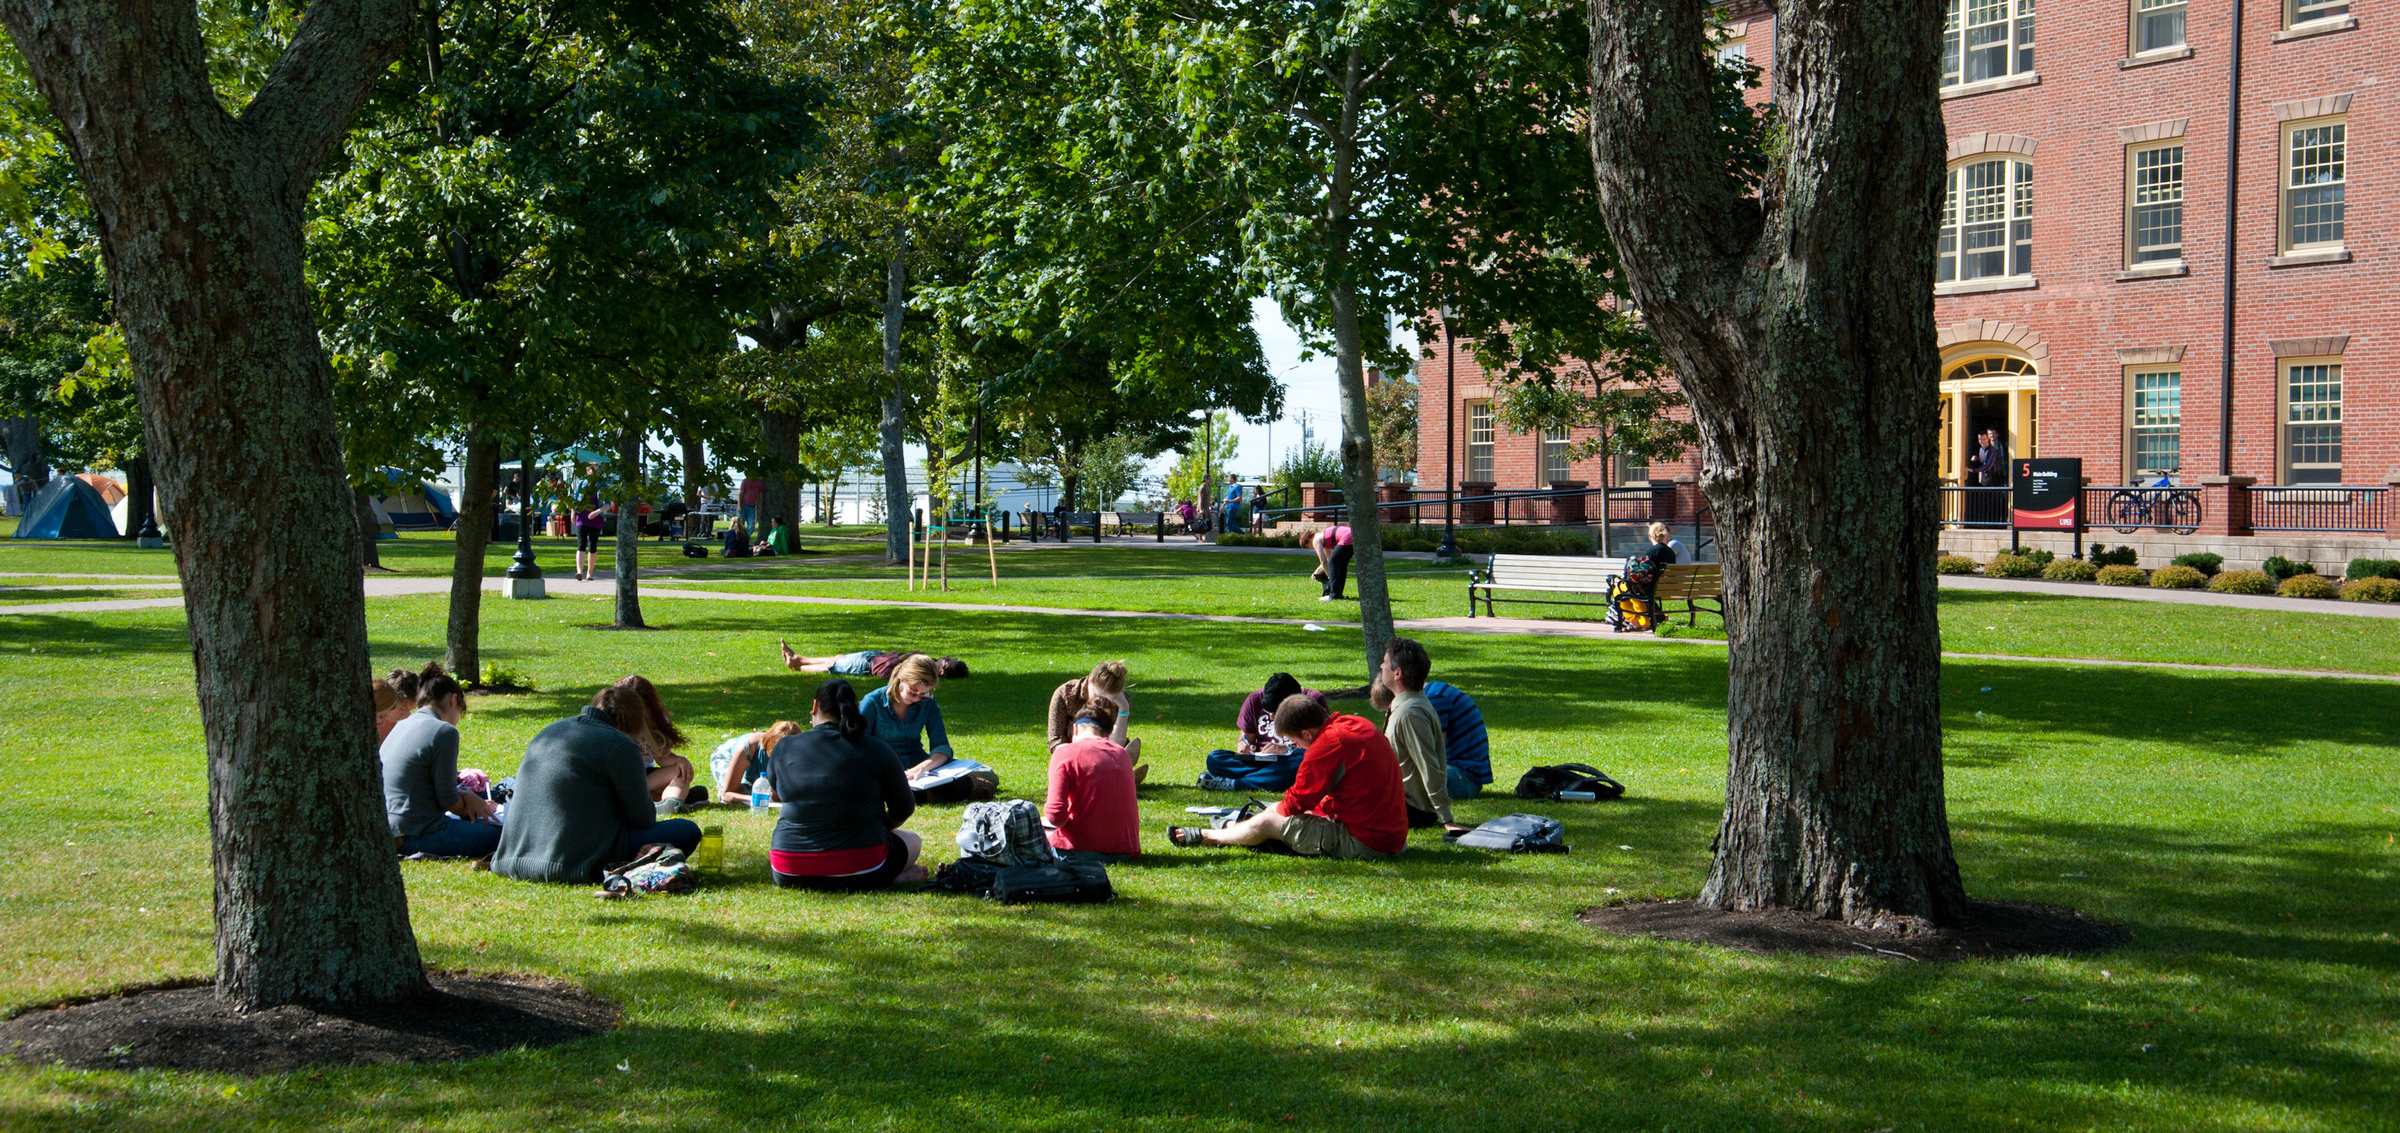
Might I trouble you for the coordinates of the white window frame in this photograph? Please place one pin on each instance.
(2157, 10)
(2292, 414)
(2298, 12)
(2015, 195)
(1481, 437)
(2014, 26)
(2137, 425)
(2137, 158)
(1555, 466)
(2287, 172)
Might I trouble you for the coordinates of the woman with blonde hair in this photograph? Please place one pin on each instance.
(1106, 681)
(903, 715)
(1663, 548)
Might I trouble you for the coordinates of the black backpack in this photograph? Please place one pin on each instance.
(695, 551)
(1518, 834)
(1563, 779)
(966, 875)
(1079, 883)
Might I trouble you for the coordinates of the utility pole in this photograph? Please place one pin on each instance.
(1449, 547)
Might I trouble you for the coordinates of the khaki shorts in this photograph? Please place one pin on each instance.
(1315, 836)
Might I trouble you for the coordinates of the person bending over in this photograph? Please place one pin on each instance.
(903, 715)
(844, 796)
(1346, 802)
(669, 775)
(742, 758)
(427, 812)
(1105, 681)
(1257, 717)
(1091, 809)
(1415, 730)
(1333, 560)
(876, 663)
(582, 799)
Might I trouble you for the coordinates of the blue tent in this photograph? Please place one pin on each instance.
(67, 508)
(426, 509)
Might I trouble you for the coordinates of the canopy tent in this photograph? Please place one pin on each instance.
(67, 508)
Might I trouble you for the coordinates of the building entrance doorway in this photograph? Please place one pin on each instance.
(1986, 411)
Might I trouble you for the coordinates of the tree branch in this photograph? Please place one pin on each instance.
(323, 77)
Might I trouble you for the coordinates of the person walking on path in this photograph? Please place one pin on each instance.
(588, 521)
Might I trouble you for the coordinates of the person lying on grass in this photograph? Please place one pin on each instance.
(866, 663)
(844, 796)
(742, 758)
(426, 811)
(903, 715)
(1415, 731)
(1091, 810)
(582, 800)
(1105, 681)
(1346, 802)
(669, 775)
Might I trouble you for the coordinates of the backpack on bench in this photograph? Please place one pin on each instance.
(1568, 782)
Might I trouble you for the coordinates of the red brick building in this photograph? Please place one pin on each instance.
(2091, 289)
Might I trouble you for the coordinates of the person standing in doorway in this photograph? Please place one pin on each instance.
(1990, 468)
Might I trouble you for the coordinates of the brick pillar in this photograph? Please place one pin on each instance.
(1479, 511)
(1395, 492)
(1568, 509)
(2225, 505)
(2391, 514)
(1318, 499)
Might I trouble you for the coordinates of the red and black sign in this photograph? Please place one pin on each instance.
(2046, 495)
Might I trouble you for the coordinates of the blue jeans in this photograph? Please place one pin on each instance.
(455, 838)
(749, 516)
(1462, 787)
(681, 833)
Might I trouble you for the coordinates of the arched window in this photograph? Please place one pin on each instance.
(1978, 367)
(1987, 221)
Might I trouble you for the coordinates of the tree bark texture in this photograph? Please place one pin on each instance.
(1358, 434)
(199, 215)
(1800, 317)
(895, 404)
(464, 657)
(629, 528)
(695, 464)
(22, 438)
(778, 498)
(369, 531)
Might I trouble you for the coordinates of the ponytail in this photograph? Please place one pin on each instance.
(839, 702)
(434, 686)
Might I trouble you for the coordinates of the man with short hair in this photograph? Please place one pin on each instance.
(1345, 802)
(1091, 810)
(1415, 730)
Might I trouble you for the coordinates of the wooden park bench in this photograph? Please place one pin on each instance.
(1691, 584)
(1549, 574)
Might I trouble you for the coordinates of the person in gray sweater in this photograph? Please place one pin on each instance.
(582, 800)
(427, 812)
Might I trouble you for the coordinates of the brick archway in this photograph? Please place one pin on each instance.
(2009, 337)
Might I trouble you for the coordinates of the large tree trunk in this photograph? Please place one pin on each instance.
(140, 489)
(369, 531)
(895, 445)
(695, 464)
(1358, 435)
(629, 528)
(1806, 344)
(778, 496)
(200, 224)
(22, 438)
(473, 536)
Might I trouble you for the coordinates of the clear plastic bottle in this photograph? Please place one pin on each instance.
(760, 799)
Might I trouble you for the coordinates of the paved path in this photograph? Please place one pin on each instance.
(1534, 627)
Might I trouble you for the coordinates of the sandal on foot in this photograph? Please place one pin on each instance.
(1186, 836)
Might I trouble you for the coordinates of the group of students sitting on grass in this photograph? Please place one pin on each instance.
(602, 786)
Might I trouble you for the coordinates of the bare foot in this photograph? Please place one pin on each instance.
(791, 660)
(912, 875)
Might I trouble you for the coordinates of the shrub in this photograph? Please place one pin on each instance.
(2371, 589)
(2011, 566)
(2280, 568)
(2242, 582)
(2122, 556)
(2204, 562)
(2178, 577)
(2373, 568)
(2070, 570)
(1954, 564)
(2122, 574)
(2309, 585)
(2041, 558)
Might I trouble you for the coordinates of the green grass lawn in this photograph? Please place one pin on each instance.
(2240, 825)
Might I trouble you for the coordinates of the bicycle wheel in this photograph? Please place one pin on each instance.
(2183, 512)
(2125, 512)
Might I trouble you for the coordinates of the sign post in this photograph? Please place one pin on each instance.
(2046, 495)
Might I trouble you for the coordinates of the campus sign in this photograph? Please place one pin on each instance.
(2046, 495)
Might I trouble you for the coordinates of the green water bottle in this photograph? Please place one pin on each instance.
(709, 859)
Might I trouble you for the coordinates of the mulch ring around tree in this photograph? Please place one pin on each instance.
(1993, 930)
(183, 1027)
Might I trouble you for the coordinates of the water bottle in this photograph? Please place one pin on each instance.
(760, 799)
(710, 857)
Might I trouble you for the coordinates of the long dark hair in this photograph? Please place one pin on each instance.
(435, 686)
(836, 699)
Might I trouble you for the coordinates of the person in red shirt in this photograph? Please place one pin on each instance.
(1345, 803)
(1091, 809)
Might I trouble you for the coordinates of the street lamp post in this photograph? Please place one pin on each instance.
(524, 574)
(1449, 547)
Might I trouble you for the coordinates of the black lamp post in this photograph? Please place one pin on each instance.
(1449, 547)
(524, 574)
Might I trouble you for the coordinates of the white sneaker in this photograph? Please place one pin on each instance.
(1324, 597)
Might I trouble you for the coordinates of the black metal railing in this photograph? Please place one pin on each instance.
(1964, 506)
(1499, 509)
(2330, 508)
